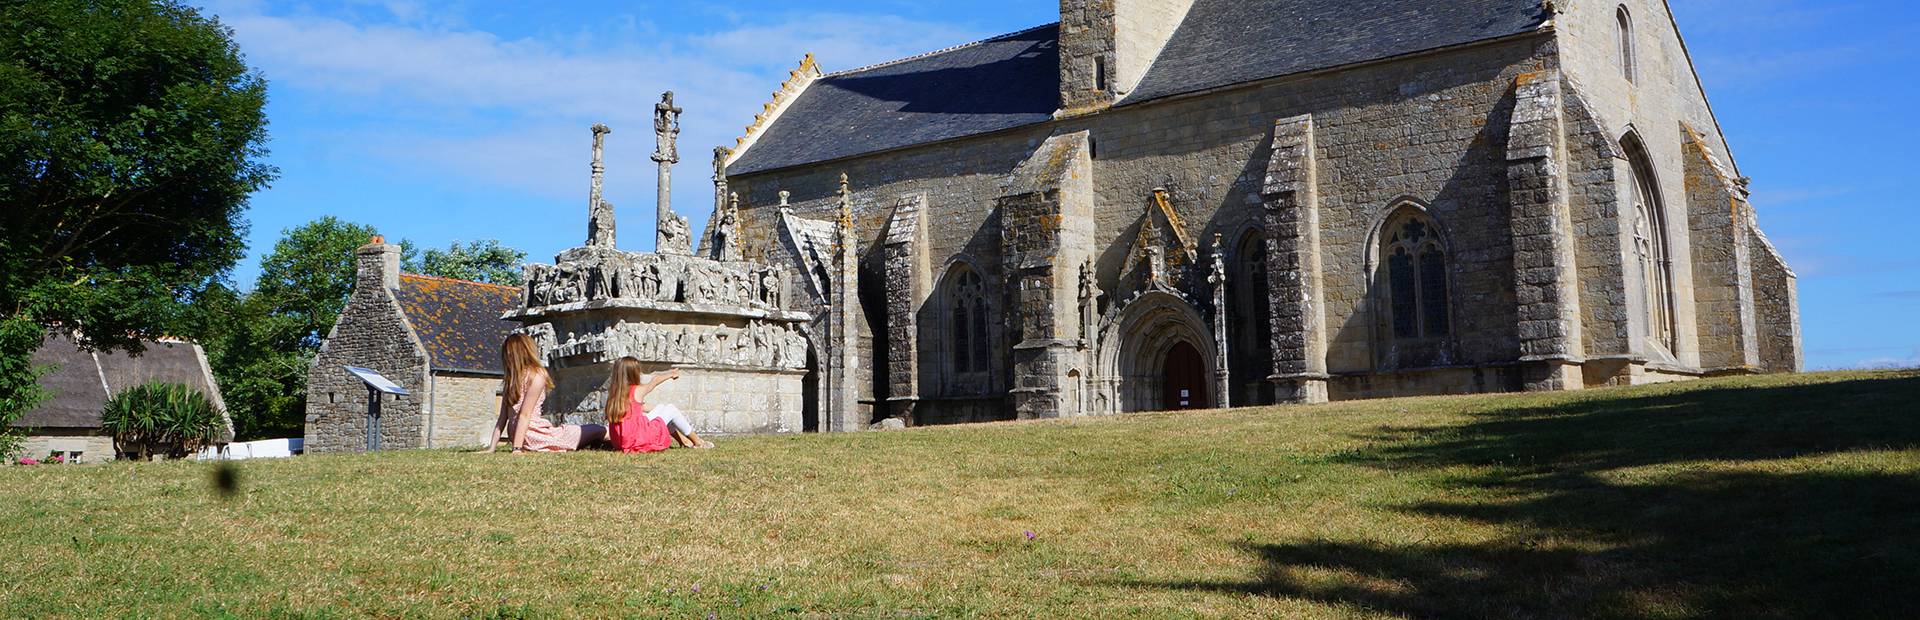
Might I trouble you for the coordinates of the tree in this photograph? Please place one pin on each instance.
(260, 353)
(480, 261)
(131, 135)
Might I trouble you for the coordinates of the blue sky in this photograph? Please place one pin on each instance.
(462, 120)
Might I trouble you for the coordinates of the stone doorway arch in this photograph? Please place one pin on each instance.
(1153, 330)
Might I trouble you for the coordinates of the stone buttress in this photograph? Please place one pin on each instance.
(909, 284)
(1545, 275)
(1294, 279)
(1047, 233)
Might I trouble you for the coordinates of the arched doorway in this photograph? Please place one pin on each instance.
(1155, 354)
(1185, 378)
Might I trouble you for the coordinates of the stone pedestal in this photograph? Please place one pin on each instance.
(742, 357)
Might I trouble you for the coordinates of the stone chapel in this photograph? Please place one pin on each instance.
(1168, 204)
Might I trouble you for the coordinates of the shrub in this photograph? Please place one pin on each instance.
(160, 419)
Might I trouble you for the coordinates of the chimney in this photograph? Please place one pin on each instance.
(379, 263)
(1106, 47)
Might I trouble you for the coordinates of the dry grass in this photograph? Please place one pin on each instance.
(1756, 497)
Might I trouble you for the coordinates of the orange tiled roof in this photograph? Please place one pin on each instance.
(458, 321)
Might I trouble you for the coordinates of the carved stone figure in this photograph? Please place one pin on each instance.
(770, 287)
(649, 281)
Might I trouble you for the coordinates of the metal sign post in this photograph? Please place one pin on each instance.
(376, 386)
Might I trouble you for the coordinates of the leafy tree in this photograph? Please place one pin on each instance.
(263, 342)
(131, 135)
(479, 261)
(305, 281)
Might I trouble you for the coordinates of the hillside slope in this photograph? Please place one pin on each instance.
(1753, 497)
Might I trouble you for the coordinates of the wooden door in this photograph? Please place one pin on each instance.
(1186, 380)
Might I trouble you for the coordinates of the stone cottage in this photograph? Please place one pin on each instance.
(79, 382)
(438, 338)
(1163, 204)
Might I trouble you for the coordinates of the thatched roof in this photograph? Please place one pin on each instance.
(79, 381)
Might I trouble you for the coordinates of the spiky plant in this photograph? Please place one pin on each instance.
(161, 419)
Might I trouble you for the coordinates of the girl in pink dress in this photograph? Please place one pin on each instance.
(634, 426)
(524, 392)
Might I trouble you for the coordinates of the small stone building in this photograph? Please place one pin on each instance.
(79, 382)
(1164, 204)
(436, 337)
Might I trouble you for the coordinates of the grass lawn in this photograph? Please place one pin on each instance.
(1767, 497)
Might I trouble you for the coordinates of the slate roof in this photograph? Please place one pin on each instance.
(1013, 80)
(79, 382)
(1226, 42)
(996, 84)
(458, 321)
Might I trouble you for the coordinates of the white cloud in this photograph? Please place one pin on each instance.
(432, 99)
(1891, 363)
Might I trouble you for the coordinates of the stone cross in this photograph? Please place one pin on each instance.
(672, 236)
(600, 221)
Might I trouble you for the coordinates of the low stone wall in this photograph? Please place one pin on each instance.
(718, 400)
(1427, 382)
(464, 409)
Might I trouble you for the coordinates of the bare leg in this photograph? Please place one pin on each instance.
(681, 428)
(591, 435)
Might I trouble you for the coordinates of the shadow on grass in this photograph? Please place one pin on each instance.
(1770, 540)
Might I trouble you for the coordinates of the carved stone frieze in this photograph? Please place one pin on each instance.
(591, 275)
(761, 344)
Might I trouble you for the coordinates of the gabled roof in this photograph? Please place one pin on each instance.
(79, 381)
(458, 321)
(1227, 42)
(996, 84)
(1014, 80)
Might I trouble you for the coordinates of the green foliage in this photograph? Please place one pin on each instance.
(19, 387)
(260, 344)
(131, 134)
(161, 419)
(305, 281)
(479, 261)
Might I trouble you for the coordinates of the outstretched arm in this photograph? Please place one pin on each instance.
(655, 383)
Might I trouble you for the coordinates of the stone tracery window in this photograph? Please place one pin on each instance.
(968, 318)
(1651, 248)
(1416, 278)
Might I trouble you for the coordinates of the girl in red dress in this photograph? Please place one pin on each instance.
(635, 426)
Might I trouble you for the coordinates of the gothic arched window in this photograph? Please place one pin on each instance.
(1651, 246)
(1627, 59)
(1415, 262)
(1249, 323)
(968, 318)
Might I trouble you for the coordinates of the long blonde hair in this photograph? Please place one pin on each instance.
(626, 374)
(521, 362)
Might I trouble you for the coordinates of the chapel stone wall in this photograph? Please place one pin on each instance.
(1431, 129)
(956, 185)
(1662, 104)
